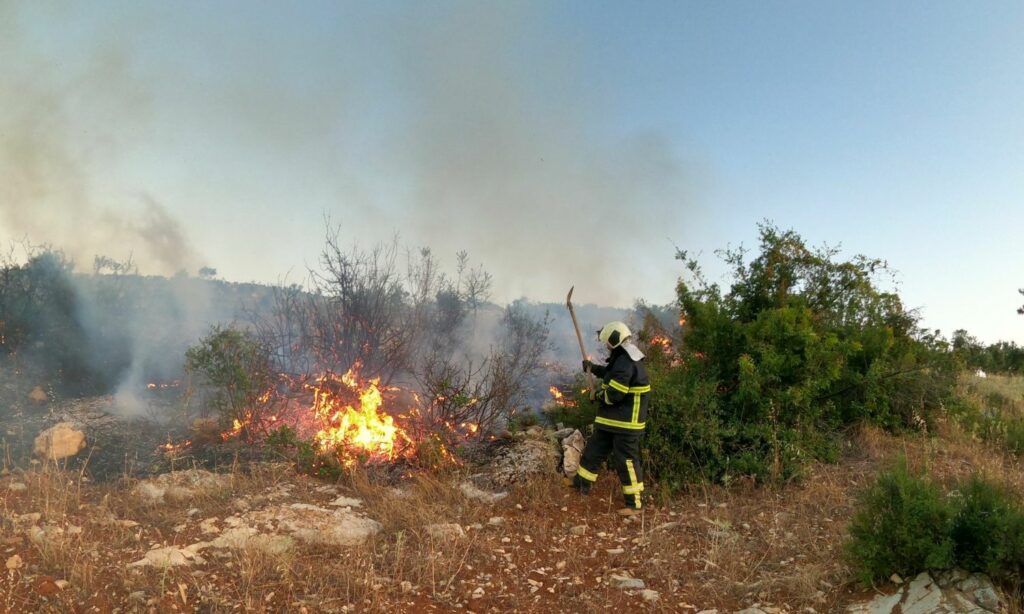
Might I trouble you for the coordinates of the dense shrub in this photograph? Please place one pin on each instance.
(763, 374)
(237, 370)
(903, 526)
(988, 530)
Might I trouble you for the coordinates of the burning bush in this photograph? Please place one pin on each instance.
(410, 325)
(237, 369)
(365, 307)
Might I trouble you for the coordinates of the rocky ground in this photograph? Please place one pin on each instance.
(499, 535)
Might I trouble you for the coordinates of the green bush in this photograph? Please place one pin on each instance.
(238, 370)
(764, 374)
(285, 442)
(903, 526)
(988, 530)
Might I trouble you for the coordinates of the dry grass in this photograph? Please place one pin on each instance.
(713, 547)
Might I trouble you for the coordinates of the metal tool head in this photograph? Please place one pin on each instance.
(568, 298)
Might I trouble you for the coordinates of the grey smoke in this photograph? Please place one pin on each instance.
(460, 125)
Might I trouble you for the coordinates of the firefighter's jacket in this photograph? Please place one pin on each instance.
(622, 399)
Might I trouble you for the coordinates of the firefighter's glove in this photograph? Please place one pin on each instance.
(588, 366)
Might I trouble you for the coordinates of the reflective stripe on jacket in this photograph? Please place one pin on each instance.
(622, 399)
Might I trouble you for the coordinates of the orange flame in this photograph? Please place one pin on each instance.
(559, 398)
(662, 342)
(175, 449)
(357, 429)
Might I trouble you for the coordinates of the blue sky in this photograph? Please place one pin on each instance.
(559, 143)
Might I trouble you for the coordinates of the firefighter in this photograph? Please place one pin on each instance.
(621, 415)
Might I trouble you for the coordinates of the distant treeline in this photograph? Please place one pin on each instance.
(84, 333)
(1000, 357)
(88, 333)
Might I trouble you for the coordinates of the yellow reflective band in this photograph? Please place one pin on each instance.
(620, 387)
(586, 475)
(606, 400)
(636, 408)
(633, 489)
(636, 485)
(632, 474)
(640, 389)
(635, 426)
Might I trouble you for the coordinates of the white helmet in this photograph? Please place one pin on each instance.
(613, 334)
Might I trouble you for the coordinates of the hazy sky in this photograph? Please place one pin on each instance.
(559, 143)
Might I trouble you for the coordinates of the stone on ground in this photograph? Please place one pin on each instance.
(38, 395)
(62, 440)
(948, 593)
(343, 501)
(180, 486)
(169, 556)
(533, 454)
(470, 491)
(446, 531)
(625, 581)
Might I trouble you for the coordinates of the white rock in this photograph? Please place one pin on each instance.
(495, 521)
(346, 502)
(529, 457)
(478, 592)
(580, 529)
(470, 491)
(331, 527)
(625, 581)
(562, 433)
(209, 525)
(62, 440)
(649, 596)
(274, 529)
(180, 486)
(247, 538)
(16, 487)
(958, 592)
(168, 556)
(446, 531)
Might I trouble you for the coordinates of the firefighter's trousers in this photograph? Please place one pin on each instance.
(624, 449)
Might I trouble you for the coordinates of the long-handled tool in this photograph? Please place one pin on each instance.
(579, 337)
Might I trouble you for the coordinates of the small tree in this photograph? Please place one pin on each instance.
(485, 392)
(237, 368)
